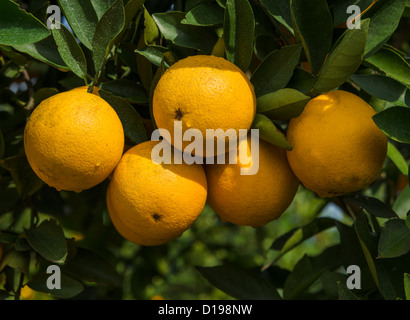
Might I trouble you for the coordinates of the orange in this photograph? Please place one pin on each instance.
(204, 92)
(337, 148)
(73, 140)
(151, 204)
(252, 200)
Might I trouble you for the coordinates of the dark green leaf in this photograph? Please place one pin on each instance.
(26, 180)
(238, 283)
(16, 260)
(380, 86)
(372, 205)
(131, 121)
(205, 14)
(340, 14)
(407, 285)
(276, 70)
(44, 50)
(129, 90)
(82, 19)
(239, 29)
(280, 10)
(101, 6)
(19, 27)
(302, 277)
(392, 64)
(144, 66)
(90, 266)
(345, 293)
(383, 23)
(8, 198)
(154, 54)
(48, 240)
(70, 51)
(402, 204)
(269, 133)
(108, 28)
(344, 59)
(394, 122)
(314, 29)
(394, 239)
(283, 104)
(169, 23)
(69, 287)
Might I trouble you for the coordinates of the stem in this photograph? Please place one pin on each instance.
(30, 89)
(18, 292)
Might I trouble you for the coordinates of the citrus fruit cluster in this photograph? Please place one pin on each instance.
(75, 140)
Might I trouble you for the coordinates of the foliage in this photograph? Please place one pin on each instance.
(292, 51)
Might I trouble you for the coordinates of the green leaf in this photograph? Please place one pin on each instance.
(43, 94)
(344, 59)
(345, 293)
(151, 32)
(16, 260)
(82, 19)
(397, 158)
(239, 29)
(69, 287)
(392, 64)
(380, 86)
(108, 28)
(90, 266)
(269, 133)
(205, 14)
(184, 35)
(276, 70)
(154, 54)
(26, 180)
(313, 27)
(238, 283)
(394, 239)
(101, 6)
(372, 205)
(383, 24)
(280, 11)
(407, 285)
(45, 51)
(48, 240)
(283, 104)
(143, 66)
(394, 122)
(70, 51)
(340, 15)
(131, 120)
(402, 204)
(19, 27)
(129, 90)
(302, 277)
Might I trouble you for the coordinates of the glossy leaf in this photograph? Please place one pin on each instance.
(154, 54)
(344, 59)
(205, 14)
(392, 64)
(402, 204)
(276, 70)
(372, 205)
(131, 120)
(394, 239)
(151, 31)
(313, 27)
(394, 122)
(280, 11)
(48, 240)
(380, 86)
(70, 51)
(269, 133)
(129, 90)
(69, 287)
(108, 28)
(19, 27)
(239, 29)
(283, 104)
(101, 6)
(239, 283)
(82, 18)
(383, 23)
(169, 23)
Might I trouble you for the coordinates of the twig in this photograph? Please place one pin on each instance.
(30, 103)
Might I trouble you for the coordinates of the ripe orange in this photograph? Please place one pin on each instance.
(151, 204)
(252, 200)
(204, 92)
(337, 148)
(73, 140)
